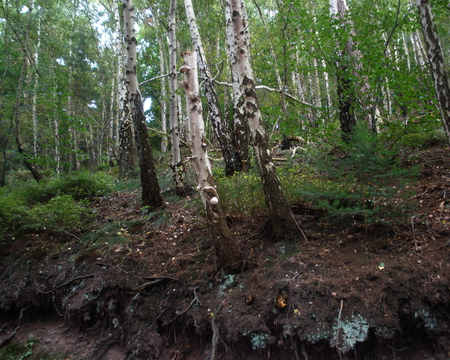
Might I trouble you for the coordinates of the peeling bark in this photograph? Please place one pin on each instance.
(220, 127)
(16, 114)
(241, 132)
(151, 196)
(436, 61)
(229, 253)
(126, 151)
(176, 164)
(249, 107)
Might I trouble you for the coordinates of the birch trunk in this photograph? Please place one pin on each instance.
(151, 196)
(125, 127)
(162, 69)
(35, 91)
(16, 113)
(228, 250)
(220, 128)
(241, 131)
(238, 40)
(176, 165)
(345, 88)
(436, 61)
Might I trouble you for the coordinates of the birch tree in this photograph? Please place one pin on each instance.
(220, 127)
(436, 61)
(17, 108)
(176, 164)
(345, 87)
(244, 86)
(151, 195)
(228, 250)
(125, 127)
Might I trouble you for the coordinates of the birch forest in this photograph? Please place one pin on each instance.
(219, 177)
(319, 69)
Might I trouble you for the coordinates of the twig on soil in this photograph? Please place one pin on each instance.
(215, 330)
(296, 223)
(19, 325)
(414, 234)
(154, 282)
(67, 283)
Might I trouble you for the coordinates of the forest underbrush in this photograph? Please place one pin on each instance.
(368, 276)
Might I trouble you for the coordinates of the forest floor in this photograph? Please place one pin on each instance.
(150, 288)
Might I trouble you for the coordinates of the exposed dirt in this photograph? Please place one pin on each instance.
(151, 288)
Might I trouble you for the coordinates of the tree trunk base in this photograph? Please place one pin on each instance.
(278, 229)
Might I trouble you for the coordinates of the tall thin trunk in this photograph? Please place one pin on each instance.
(125, 129)
(345, 86)
(419, 53)
(151, 196)
(162, 69)
(238, 39)
(220, 127)
(406, 49)
(176, 164)
(110, 123)
(35, 91)
(241, 131)
(73, 155)
(228, 251)
(16, 113)
(436, 61)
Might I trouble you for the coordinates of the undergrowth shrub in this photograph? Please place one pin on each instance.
(12, 210)
(362, 180)
(61, 213)
(241, 193)
(80, 186)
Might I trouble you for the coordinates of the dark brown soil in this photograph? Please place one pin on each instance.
(152, 289)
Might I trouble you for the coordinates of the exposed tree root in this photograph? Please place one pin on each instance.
(65, 284)
(8, 339)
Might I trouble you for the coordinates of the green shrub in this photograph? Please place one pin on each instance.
(80, 186)
(363, 180)
(13, 210)
(61, 213)
(241, 193)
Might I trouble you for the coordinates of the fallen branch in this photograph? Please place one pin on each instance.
(7, 340)
(65, 284)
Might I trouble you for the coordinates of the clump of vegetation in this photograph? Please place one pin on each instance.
(61, 213)
(60, 203)
(13, 210)
(361, 180)
(241, 193)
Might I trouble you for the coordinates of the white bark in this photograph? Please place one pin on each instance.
(219, 126)
(36, 85)
(238, 41)
(176, 165)
(162, 70)
(228, 250)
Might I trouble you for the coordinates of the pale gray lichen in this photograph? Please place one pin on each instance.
(349, 332)
(259, 340)
(429, 319)
(229, 281)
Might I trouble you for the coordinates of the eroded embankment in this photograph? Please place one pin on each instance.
(94, 307)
